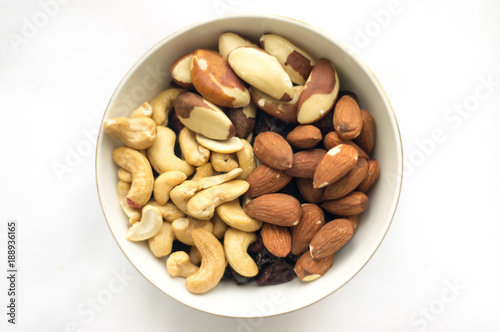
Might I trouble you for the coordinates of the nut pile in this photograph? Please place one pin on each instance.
(255, 167)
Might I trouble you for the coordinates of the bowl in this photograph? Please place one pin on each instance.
(150, 75)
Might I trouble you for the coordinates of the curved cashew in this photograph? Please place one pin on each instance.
(194, 255)
(183, 228)
(236, 243)
(182, 193)
(203, 172)
(149, 226)
(178, 265)
(133, 214)
(145, 110)
(202, 205)
(164, 184)
(163, 104)
(169, 211)
(211, 181)
(220, 226)
(124, 176)
(161, 244)
(213, 262)
(162, 156)
(136, 133)
(193, 152)
(246, 159)
(223, 162)
(229, 145)
(142, 175)
(233, 214)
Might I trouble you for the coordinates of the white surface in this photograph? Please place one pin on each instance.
(432, 57)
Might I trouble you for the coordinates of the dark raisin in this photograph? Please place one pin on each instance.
(257, 246)
(240, 280)
(291, 258)
(325, 124)
(266, 122)
(264, 257)
(227, 274)
(347, 93)
(293, 190)
(276, 273)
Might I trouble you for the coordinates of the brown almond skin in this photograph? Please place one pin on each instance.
(305, 163)
(330, 238)
(266, 180)
(347, 119)
(336, 163)
(366, 138)
(277, 209)
(312, 220)
(309, 193)
(354, 221)
(206, 79)
(304, 137)
(309, 269)
(276, 239)
(371, 176)
(273, 150)
(349, 205)
(348, 182)
(332, 139)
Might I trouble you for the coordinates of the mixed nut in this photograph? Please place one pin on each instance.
(255, 167)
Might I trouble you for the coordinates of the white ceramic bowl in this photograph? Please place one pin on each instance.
(150, 75)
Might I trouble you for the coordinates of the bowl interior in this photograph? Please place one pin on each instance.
(150, 75)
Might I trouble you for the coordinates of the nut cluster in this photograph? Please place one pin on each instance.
(188, 177)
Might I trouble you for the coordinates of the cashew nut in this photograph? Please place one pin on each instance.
(164, 184)
(162, 156)
(194, 255)
(230, 145)
(169, 211)
(236, 243)
(223, 162)
(203, 172)
(220, 226)
(161, 244)
(213, 262)
(124, 176)
(246, 159)
(163, 104)
(211, 181)
(136, 133)
(145, 110)
(193, 152)
(133, 214)
(202, 205)
(142, 175)
(183, 228)
(149, 225)
(182, 193)
(178, 265)
(233, 214)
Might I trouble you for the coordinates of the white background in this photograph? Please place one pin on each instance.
(437, 269)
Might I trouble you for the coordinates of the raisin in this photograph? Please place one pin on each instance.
(240, 280)
(291, 258)
(276, 273)
(325, 124)
(347, 93)
(266, 122)
(257, 246)
(264, 258)
(293, 190)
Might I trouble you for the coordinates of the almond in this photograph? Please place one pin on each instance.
(320, 92)
(305, 163)
(354, 221)
(266, 180)
(332, 139)
(348, 182)
(366, 138)
(336, 163)
(347, 119)
(309, 193)
(309, 269)
(330, 238)
(214, 79)
(273, 150)
(371, 176)
(352, 204)
(276, 239)
(312, 220)
(304, 137)
(277, 209)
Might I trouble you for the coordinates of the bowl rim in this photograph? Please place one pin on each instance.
(351, 53)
